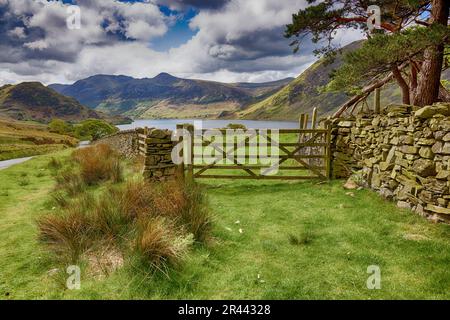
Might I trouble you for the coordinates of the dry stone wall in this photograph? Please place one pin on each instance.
(154, 145)
(157, 149)
(403, 153)
(124, 142)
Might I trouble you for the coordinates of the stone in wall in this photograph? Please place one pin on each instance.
(403, 153)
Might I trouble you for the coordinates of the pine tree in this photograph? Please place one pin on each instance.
(409, 45)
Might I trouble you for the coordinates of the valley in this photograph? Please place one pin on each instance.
(166, 96)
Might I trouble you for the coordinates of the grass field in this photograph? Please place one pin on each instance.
(272, 240)
(22, 139)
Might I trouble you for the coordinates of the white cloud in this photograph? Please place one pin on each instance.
(36, 45)
(240, 40)
(17, 32)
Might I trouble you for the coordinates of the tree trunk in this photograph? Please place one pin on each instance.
(430, 74)
(412, 80)
(402, 83)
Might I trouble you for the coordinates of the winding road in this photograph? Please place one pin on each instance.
(8, 163)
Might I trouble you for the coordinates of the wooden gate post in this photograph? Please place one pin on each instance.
(328, 150)
(190, 129)
(302, 120)
(180, 134)
(314, 119)
(377, 101)
(306, 119)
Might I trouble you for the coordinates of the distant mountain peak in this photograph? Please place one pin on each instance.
(164, 76)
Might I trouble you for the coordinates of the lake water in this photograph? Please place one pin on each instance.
(209, 124)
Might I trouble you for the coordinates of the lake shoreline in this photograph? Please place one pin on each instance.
(208, 124)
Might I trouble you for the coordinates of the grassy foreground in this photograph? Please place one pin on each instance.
(289, 240)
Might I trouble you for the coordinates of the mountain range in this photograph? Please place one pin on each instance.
(166, 96)
(118, 98)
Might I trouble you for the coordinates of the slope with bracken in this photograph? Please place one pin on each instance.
(301, 95)
(306, 93)
(23, 138)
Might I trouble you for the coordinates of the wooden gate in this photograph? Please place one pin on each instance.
(295, 154)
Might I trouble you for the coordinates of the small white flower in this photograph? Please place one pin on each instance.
(241, 231)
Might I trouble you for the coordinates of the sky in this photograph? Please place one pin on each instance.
(220, 40)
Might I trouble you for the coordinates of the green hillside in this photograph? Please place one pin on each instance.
(34, 101)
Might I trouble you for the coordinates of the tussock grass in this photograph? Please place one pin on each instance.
(98, 163)
(70, 181)
(304, 239)
(110, 218)
(155, 221)
(23, 181)
(54, 164)
(160, 244)
(68, 235)
(60, 199)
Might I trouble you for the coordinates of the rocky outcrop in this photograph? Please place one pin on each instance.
(404, 154)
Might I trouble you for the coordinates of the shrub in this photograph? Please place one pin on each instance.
(116, 171)
(170, 199)
(86, 202)
(98, 163)
(160, 245)
(156, 220)
(183, 203)
(60, 126)
(94, 129)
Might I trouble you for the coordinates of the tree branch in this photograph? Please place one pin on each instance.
(366, 91)
(385, 25)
